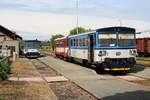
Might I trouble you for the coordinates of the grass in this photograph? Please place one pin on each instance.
(143, 58)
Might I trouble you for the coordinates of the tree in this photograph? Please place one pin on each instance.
(80, 30)
(53, 38)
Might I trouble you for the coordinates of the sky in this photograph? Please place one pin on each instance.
(39, 19)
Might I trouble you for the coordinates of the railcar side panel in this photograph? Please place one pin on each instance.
(140, 45)
(79, 53)
(61, 47)
(143, 46)
(148, 45)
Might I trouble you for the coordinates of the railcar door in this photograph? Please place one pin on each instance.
(90, 48)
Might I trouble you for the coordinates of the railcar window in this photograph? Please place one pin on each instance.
(126, 39)
(80, 41)
(76, 42)
(73, 42)
(83, 41)
(86, 42)
(107, 39)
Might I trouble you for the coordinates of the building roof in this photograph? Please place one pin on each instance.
(9, 32)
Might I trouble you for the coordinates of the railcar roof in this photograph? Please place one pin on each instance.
(84, 33)
(119, 29)
(108, 29)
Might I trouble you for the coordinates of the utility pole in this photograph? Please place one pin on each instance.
(120, 22)
(77, 19)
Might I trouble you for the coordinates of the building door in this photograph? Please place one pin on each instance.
(12, 49)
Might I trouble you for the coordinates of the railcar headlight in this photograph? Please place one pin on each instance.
(102, 53)
(132, 52)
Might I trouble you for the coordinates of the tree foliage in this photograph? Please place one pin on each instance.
(80, 30)
(53, 38)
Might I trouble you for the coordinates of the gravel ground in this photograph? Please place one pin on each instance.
(69, 91)
(43, 69)
(63, 90)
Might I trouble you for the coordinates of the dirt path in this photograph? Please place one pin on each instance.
(22, 67)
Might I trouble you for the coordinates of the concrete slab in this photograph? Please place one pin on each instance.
(31, 79)
(131, 78)
(56, 79)
(145, 73)
(102, 87)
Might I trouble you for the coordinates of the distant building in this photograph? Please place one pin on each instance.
(31, 44)
(9, 42)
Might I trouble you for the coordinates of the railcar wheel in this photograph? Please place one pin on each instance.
(71, 59)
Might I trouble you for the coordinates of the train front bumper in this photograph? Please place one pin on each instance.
(117, 64)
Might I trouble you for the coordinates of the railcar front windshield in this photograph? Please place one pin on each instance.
(127, 39)
(107, 39)
(119, 39)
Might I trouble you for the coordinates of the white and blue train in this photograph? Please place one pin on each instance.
(111, 48)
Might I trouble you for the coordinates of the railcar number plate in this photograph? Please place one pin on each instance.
(118, 53)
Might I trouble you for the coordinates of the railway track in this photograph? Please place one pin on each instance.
(63, 89)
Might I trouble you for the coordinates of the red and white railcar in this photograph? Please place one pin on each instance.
(61, 47)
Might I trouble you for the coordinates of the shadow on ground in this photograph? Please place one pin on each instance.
(136, 95)
(137, 68)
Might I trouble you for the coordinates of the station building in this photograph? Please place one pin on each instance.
(9, 42)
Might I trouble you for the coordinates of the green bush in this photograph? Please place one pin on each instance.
(5, 67)
(3, 75)
(4, 70)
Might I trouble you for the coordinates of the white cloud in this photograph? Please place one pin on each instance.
(43, 25)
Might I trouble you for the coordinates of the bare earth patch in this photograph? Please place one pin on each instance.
(146, 63)
(11, 90)
(22, 67)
